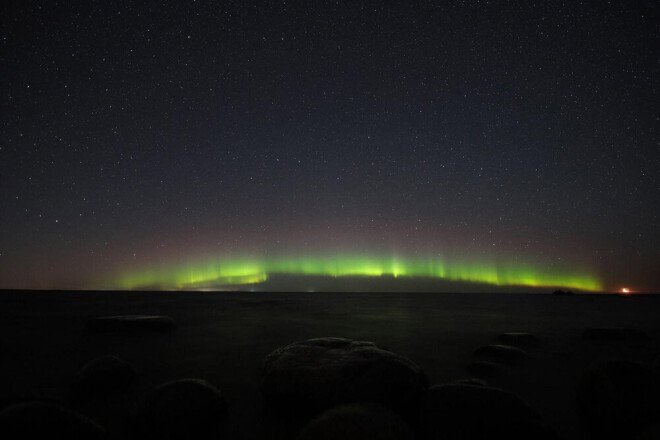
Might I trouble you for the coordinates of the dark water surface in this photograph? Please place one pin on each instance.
(222, 337)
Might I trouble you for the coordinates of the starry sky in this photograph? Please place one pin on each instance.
(139, 135)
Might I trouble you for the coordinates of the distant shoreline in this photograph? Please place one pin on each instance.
(494, 292)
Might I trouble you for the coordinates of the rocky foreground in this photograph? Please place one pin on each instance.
(338, 388)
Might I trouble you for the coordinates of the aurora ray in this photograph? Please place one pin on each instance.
(249, 271)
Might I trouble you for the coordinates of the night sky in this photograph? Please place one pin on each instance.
(235, 139)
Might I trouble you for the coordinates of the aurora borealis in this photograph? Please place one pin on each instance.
(220, 273)
(202, 145)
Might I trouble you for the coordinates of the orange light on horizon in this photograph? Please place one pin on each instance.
(625, 290)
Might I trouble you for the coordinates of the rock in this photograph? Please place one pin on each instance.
(105, 374)
(652, 433)
(38, 420)
(560, 292)
(131, 324)
(471, 381)
(619, 398)
(186, 408)
(460, 412)
(485, 369)
(614, 334)
(519, 339)
(357, 421)
(306, 377)
(501, 353)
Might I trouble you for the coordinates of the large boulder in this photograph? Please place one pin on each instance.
(105, 374)
(306, 377)
(182, 409)
(38, 420)
(465, 412)
(131, 324)
(619, 398)
(357, 422)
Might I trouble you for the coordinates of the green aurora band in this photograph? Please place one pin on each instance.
(236, 272)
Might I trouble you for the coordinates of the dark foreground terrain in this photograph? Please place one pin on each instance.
(223, 339)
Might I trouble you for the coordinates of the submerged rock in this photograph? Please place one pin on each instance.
(465, 412)
(619, 398)
(518, 339)
(614, 334)
(501, 353)
(105, 374)
(306, 377)
(357, 421)
(186, 408)
(38, 420)
(486, 369)
(131, 324)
